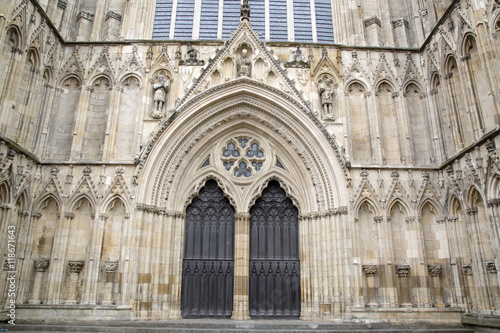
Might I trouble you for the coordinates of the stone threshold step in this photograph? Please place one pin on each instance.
(249, 325)
(99, 327)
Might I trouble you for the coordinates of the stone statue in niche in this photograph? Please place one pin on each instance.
(160, 94)
(326, 89)
(244, 65)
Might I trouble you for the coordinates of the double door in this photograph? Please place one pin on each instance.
(208, 265)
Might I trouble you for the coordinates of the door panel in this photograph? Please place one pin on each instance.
(274, 255)
(208, 265)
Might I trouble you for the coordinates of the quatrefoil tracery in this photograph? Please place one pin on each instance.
(241, 159)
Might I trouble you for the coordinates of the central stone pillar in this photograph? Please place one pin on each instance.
(241, 266)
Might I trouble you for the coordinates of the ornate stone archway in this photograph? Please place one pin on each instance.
(292, 148)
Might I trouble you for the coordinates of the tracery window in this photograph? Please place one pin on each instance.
(242, 159)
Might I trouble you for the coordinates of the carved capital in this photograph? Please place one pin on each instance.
(402, 270)
(69, 215)
(5, 206)
(41, 265)
(23, 213)
(111, 266)
(494, 202)
(242, 216)
(467, 269)
(76, 266)
(373, 20)
(378, 219)
(471, 211)
(490, 266)
(435, 270)
(370, 270)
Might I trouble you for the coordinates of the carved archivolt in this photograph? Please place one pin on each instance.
(215, 125)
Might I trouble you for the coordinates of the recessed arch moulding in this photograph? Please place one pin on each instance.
(171, 174)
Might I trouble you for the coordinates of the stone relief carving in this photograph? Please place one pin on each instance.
(370, 270)
(403, 270)
(435, 270)
(111, 266)
(160, 96)
(297, 60)
(192, 58)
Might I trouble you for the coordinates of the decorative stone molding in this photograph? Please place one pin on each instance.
(76, 266)
(435, 270)
(85, 15)
(471, 211)
(111, 266)
(373, 20)
(467, 269)
(87, 170)
(62, 4)
(242, 216)
(5, 206)
(114, 15)
(378, 219)
(104, 216)
(440, 220)
(494, 202)
(23, 213)
(41, 265)
(402, 270)
(410, 219)
(8, 265)
(69, 215)
(453, 218)
(400, 22)
(370, 270)
(490, 266)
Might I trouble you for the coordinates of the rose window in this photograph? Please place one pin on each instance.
(242, 159)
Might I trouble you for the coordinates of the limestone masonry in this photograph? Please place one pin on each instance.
(365, 164)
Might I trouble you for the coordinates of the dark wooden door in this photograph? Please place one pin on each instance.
(274, 256)
(208, 265)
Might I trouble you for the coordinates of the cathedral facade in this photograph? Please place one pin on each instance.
(322, 160)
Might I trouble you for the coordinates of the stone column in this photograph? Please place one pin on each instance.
(403, 271)
(370, 272)
(435, 271)
(75, 267)
(470, 285)
(110, 267)
(492, 271)
(241, 266)
(41, 266)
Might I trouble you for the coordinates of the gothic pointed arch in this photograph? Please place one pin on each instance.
(250, 107)
(102, 67)
(366, 194)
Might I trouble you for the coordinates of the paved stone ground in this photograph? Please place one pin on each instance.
(228, 326)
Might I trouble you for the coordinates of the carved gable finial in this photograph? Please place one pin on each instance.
(245, 11)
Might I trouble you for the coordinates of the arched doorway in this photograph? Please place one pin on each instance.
(208, 264)
(274, 255)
